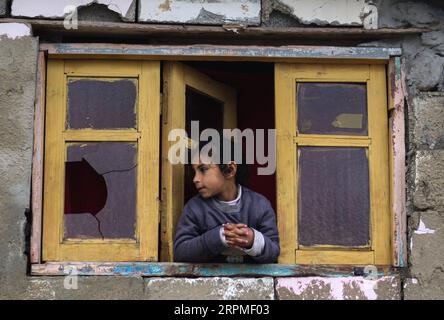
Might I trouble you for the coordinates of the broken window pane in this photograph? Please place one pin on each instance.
(101, 103)
(332, 108)
(100, 190)
(334, 202)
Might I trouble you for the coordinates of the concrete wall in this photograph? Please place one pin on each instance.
(424, 57)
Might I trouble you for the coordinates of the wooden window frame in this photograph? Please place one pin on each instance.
(289, 140)
(177, 77)
(145, 135)
(390, 57)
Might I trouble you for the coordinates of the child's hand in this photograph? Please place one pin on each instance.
(238, 235)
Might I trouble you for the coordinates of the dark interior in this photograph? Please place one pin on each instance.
(254, 82)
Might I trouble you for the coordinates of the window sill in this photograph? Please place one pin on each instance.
(169, 269)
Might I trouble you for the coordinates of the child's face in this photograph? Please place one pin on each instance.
(209, 180)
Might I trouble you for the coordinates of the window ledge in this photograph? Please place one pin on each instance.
(168, 269)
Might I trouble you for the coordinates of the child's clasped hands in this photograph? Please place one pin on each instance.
(238, 235)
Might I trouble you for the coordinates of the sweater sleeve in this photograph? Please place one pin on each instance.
(190, 245)
(258, 244)
(267, 226)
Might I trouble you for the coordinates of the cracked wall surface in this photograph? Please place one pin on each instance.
(319, 13)
(245, 12)
(56, 9)
(424, 63)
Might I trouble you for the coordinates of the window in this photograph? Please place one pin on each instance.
(101, 161)
(332, 164)
(106, 135)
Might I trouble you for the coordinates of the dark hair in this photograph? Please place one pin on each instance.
(242, 172)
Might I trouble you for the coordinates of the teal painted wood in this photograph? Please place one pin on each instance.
(149, 269)
(375, 53)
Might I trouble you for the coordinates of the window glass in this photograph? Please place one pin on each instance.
(100, 190)
(334, 202)
(101, 103)
(332, 108)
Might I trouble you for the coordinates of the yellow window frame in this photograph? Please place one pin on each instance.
(176, 77)
(288, 140)
(145, 245)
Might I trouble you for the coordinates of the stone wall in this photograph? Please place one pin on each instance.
(424, 59)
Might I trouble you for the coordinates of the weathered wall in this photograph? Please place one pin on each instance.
(424, 57)
(17, 87)
(56, 9)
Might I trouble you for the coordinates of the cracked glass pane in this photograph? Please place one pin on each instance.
(334, 201)
(100, 190)
(332, 108)
(101, 103)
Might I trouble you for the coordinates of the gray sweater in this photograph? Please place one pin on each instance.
(198, 237)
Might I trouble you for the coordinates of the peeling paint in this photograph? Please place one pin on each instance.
(201, 12)
(321, 12)
(166, 6)
(154, 269)
(397, 134)
(56, 8)
(335, 288)
(422, 229)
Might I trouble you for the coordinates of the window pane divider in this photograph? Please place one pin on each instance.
(101, 135)
(329, 141)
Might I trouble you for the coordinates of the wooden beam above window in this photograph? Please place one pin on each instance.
(232, 31)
